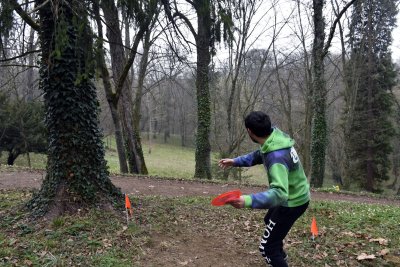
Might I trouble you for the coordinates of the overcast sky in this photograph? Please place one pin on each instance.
(286, 10)
(396, 41)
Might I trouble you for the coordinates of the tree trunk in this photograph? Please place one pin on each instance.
(136, 112)
(307, 131)
(29, 73)
(119, 138)
(203, 147)
(369, 182)
(118, 61)
(11, 158)
(318, 132)
(77, 174)
(127, 126)
(183, 133)
(138, 99)
(112, 102)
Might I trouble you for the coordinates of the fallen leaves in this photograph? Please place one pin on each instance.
(381, 241)
(364, 256)
(320, 256)
(28, 263)
(120, 232)
(107, 243)
(383, 252)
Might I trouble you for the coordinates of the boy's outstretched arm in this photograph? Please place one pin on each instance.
(225, 163)
(248, 160)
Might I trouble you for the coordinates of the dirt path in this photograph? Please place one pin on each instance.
(166, 187)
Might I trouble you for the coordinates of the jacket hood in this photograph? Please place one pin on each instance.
(277, 140)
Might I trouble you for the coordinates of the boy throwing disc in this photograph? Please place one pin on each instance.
(288, 195)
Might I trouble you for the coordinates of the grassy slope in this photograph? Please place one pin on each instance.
(102, 239)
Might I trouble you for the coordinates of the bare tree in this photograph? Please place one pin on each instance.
(208, 31)
(121, 66)
(110, 95)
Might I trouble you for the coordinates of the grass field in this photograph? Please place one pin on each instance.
(349, 233)
(165, 160)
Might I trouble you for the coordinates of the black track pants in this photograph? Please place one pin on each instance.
(278, 222)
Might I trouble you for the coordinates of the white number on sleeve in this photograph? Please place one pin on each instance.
(294, 155)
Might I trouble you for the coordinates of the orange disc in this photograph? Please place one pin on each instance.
(226, 197)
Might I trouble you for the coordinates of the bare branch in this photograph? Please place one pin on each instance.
(171, 17)
(187, 21)
(190, 2)
(25, 16)
(333, 27)
(129, 62)
(13, 78)
(19, 65)
(38, 7)
(19, 56)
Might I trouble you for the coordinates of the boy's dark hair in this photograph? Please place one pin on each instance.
(259, 123)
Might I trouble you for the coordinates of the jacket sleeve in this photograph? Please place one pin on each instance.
(248, 160)
(278, 191)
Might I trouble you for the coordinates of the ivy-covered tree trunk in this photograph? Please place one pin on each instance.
(77, 174)
(308, 110)
(306, 148)
(203, 41)
(318, 132)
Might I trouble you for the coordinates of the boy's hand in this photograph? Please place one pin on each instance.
(225, 163)
(237, 203)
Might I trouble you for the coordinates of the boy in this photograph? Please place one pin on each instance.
(288, 195)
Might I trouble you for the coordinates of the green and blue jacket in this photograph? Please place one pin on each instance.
(288, 185)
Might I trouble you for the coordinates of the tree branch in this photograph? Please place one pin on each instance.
(187, 21)
(38, 7)
(333, 27)
(25, 16)
(19, 65)
(190, 2)
(170, 17)
(120, 84)
(19, 56)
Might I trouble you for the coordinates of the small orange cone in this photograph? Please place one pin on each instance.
(314, 228)
(128, 205)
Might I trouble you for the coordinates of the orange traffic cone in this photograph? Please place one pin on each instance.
(128, 205)
(314, 228)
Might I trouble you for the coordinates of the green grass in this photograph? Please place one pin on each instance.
(38, 161)
(163, 160)
(166, 227)
(171, 160)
